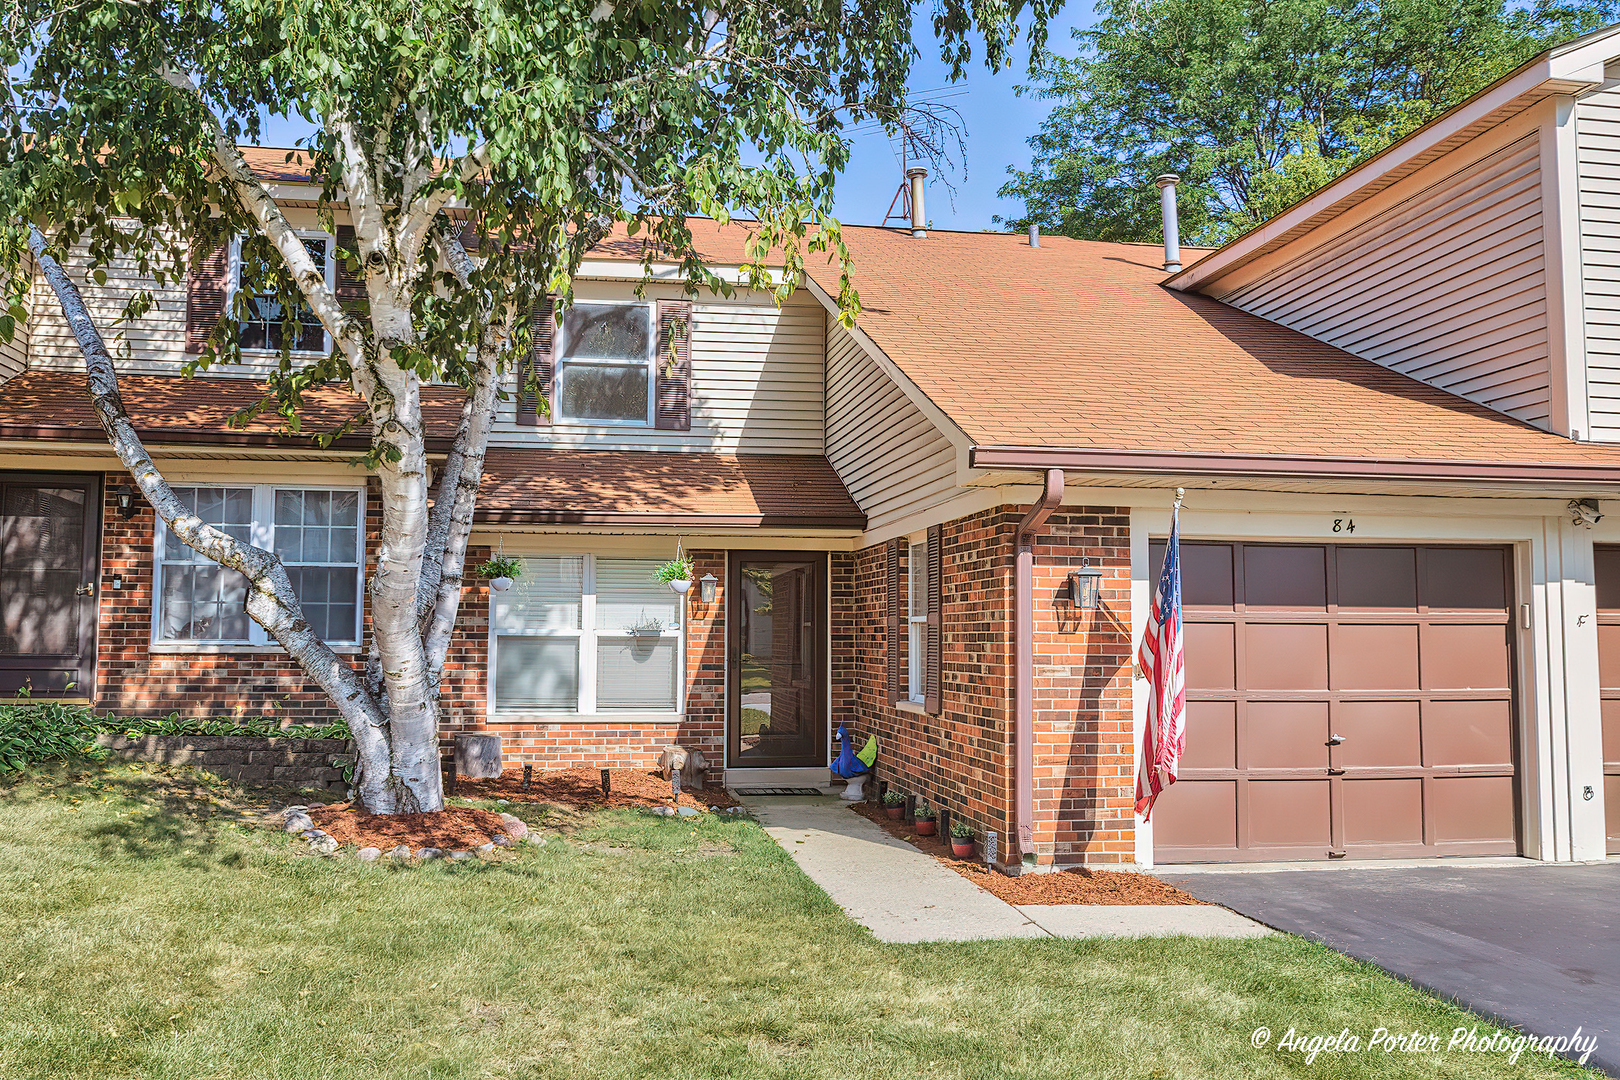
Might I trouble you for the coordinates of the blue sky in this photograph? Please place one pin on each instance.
(997, 123)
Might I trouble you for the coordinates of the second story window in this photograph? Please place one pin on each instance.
(266, 322)
(604, 366)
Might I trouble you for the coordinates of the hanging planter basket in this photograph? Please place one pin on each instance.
(500, 584)
(500, 571)
(677, 573)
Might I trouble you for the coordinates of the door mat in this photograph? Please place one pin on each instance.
(777, 791)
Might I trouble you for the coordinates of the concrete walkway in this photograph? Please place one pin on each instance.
(903, 895)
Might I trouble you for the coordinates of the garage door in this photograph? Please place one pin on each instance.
(1344, 701)
(1608, 602)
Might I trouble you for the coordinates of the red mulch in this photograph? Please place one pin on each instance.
(581, 789)
(1079, 886)
(457, 828)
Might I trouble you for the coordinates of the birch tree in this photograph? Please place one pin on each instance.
(478, 149)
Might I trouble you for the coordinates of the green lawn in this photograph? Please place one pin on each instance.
(144, 933)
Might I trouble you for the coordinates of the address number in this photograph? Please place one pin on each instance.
(1344, 525)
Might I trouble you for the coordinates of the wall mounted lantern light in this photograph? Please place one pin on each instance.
(706, 585)
(126, 501)
(1085, 586)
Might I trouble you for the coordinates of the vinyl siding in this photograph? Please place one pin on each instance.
(14, 353)
(757, 373)
(1448, 287)
(891, 457)
(1597, 133)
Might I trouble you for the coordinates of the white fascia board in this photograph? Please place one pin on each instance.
(1571, 69)
(622, 270)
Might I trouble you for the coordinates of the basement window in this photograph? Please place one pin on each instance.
(586, 635)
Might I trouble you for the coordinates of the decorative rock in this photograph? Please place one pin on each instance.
(369, 854)
(536, 840)
(460, 856)
(503, 802)
(298, 823)
(400, 853)
(320, 842)
(686, 811)
(514, 826)
(430, 853)
(502, 840)
(714, 809)
(287, 811)
(486, 849)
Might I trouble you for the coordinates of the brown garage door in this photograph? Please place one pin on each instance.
(1608, 603)
(1344, 701)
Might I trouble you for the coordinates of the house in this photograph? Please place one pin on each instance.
(1394, 410)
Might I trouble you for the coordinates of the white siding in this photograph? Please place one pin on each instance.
(14, 353)
(891, 457)
(1597, 133)
(757, 375)
(1448, 287)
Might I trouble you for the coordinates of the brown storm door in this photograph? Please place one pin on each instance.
(49, 554)
(776, 687)
(1344, 701)
(1608, 630)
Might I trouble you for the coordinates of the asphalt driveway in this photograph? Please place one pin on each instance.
(1536, 947)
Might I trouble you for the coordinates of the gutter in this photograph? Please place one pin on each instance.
(1024, 665)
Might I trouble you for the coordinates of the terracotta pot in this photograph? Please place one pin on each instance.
(962, 849)
(895, 812)
(925, 828)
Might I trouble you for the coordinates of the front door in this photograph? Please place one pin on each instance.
(49, 557)
(776, 712)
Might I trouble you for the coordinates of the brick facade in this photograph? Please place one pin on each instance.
(961, 759)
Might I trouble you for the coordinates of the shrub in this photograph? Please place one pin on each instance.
(924, 812)
(893, 797)
(961, 830)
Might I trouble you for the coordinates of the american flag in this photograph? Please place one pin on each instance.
(1163, 663)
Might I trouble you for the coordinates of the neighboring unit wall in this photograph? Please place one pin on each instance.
(891, 457)
(1597, 128)
(1448, 286)
(14, 353)
(756, 380)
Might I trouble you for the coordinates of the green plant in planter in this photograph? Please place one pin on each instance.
(500, 566)
(894, 798)
(961, 830)
(677, 569)
(924, 812)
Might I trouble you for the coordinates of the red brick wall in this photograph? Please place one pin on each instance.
(960, 760)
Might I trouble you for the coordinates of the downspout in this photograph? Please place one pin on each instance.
(1024, 665)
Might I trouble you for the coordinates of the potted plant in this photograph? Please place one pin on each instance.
(923, 817)
(961, 839)
(677, 574)
(500, 570)
(894, 804)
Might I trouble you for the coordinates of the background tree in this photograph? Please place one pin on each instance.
(1255, 103)
(538, 123)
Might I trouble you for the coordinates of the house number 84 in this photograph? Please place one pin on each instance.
(1344, 525)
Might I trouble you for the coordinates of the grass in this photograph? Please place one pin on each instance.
(144, 932)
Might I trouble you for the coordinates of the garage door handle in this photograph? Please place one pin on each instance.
(1335, 740)
(1335, 772)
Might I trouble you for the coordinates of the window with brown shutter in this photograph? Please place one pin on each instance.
(935, 562)
(897, 691)
(351, 284)
(672, 382)
(206, 285)
(534, 373)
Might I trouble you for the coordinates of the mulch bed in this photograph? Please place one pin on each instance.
(1078, 886)
(457, 828)
(581, 789)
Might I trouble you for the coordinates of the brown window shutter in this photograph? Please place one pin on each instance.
(931, 695)
(534, 373)
(351, 285)
(206, 286)
(672, 410)
(897, 643)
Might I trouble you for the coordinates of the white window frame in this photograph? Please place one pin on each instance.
(588, 634)
(916, 620)
(234, 284)
(264, 535)
(560, 361)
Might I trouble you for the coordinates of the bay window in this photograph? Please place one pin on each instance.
(586, 634)
(319, 533)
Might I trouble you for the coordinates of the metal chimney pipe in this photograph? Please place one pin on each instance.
(1172, 228)
(1034, 235)
(919, 220)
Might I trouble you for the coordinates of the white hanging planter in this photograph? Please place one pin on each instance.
(500, 584)
(680, 586)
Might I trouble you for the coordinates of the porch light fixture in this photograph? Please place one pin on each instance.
(126, 501)
(1085, 586)
(706, 585)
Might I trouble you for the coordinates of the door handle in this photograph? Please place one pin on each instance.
(87, 589)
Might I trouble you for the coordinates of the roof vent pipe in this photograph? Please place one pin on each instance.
(919, 220)
(1172, 228)
(1034, 235)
